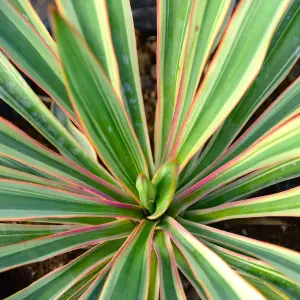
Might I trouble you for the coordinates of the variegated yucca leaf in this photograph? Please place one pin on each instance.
(141, 217)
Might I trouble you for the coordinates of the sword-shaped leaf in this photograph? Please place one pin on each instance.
(15, 233)
(28, 12)
(55, 284)
(259, 270)
(282, 259)
(90, 18)
(280, 145)
(251, 183)
(129, 276)
(170, 283)
(282, 55)
(8, 173)
(188, 273)
(52, 245)
(16, 93)
(220, 281)
(283, 108)
(266, 289)
(239, 57)
(154, 278)
(284, 204)
(23, 201)
(98, 107)
(173, 22)
(33, 55)
(123, 35)
(17, 145)
(205, 22)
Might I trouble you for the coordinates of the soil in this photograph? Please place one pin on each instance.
(279, 231)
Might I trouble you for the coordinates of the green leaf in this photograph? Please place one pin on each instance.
(188, 272)
(28, 12)
(76, 220)
(81, 286)
(205, 22)
(20, 147)
(279, 145)
(18, 166)
(284, 204)
(123, 35)
(165, 181)
(90, 18)
(56, 283)
(116, 53)
(8, 173)
(15, 233)
(281, 56)
(130, 273)
(173, 22)
(283, 108)
(76, 291)
(23, 201)
(154, 278)
(269, 291)
(224, 25)
(239, 57)
(259, 270)
(94, 290)
(16, 93)
(282, 259)
(49, 246)
(147, 193)
(220, 281)
(101, 112)
(81, 139)
(22, 43)
(251, 183)
(170, 283)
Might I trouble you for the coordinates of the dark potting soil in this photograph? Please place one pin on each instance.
(280, 231)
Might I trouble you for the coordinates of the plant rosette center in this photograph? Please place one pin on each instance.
(157, 195)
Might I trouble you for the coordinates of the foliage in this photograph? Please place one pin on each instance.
(142, 219)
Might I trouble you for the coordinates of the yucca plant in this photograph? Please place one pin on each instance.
(140, 219)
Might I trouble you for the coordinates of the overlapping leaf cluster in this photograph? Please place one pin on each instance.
(143, 217)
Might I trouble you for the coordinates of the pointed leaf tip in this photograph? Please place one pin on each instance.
(165, 181)
(147, 192)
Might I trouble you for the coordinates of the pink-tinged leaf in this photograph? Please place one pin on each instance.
(282, 54)
(282, 259)
(52, 245)
(279, 145)
(96, 287)
(62, 279)
(246, 40)
(259, 270)
(99, 109)
(173, 20)
(188, 273)
(284, 204)
(205, 21)
(129, 277)
(31, 53)
(218, 280)
(154, 278)
(170, 283)
(283, 108)
(25, 201)
(18, 146)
